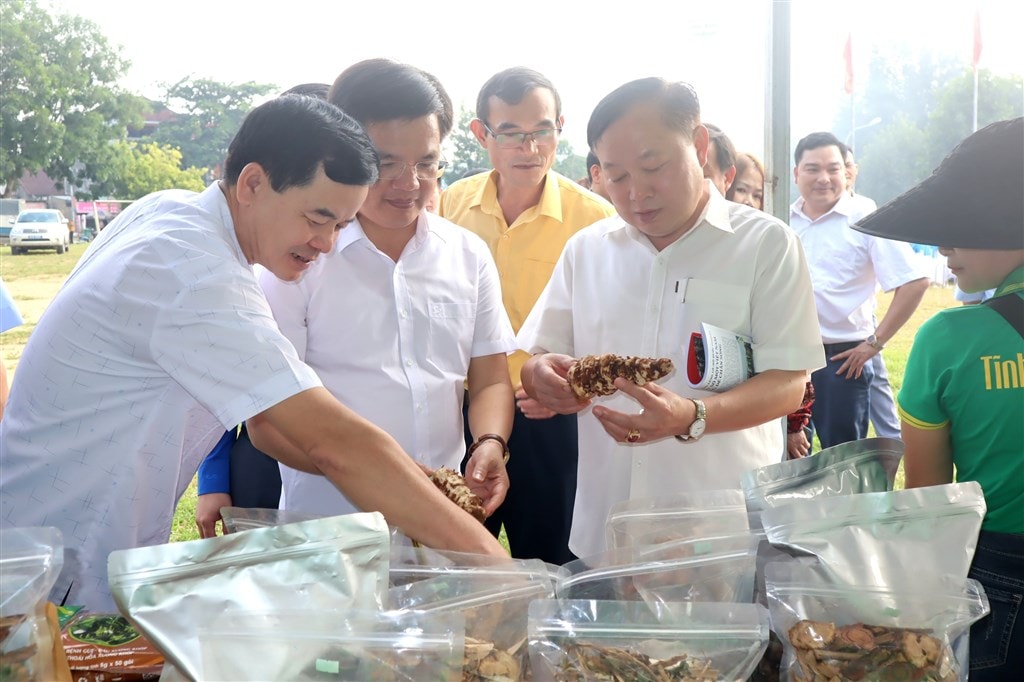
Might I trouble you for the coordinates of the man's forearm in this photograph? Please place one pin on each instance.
(766, 396)
(373, 471)
(905, 300)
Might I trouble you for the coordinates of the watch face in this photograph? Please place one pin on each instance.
(697, 428)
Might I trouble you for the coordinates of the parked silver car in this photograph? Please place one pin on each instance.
(39, 228)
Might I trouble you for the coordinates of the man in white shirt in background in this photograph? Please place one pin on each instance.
(846, 267)
(881, 405)
(640, 283)
(408, 305)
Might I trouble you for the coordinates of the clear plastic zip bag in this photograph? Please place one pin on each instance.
(902, 630)
(707, 569)
(654, 520)
(341, 646)
(495, 609)
(574, 640)
(30, 561)
(412, 564)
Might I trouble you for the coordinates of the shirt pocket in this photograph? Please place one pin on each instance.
(703, 301)
(452, 324)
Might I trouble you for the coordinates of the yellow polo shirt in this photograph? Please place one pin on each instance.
(525, 251)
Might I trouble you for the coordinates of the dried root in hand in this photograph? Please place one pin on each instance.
(594, 375)
(453, 485)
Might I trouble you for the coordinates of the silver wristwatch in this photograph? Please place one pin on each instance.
(698, 425)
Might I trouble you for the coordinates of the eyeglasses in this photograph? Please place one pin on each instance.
(544, 137)
(424, 170)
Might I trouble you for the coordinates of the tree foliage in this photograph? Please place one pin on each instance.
(467, 154)
(208, 114)
(925, 104)
(144, 167)
(61, 104)
(568, 162)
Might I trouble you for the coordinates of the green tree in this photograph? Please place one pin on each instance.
(61, 105)
(144, 167)
(210, 114)
(909, 145)
(568, 162)
(466, 151)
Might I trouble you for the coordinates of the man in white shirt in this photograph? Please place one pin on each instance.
(408, 305)
(846, 266)
(161, 339)
(640, 283)
(881, 405)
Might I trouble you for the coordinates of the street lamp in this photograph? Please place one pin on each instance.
(853, 133)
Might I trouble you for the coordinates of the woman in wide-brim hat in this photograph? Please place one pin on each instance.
(962, 401)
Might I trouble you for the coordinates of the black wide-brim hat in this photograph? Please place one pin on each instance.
(973, 200)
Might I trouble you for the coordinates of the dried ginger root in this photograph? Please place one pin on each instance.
(594, 375)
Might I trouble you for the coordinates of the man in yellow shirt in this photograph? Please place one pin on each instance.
(526, 212)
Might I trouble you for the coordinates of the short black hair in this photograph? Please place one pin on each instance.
(376, 90)
(725, 152)
(680, 107)
(816, 141)
(510, 86)
(292, 136)
(318, 90)
(591, 161)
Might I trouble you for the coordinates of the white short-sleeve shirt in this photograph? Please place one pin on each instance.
(159, 340)
(612, 292)
(847, 265)
(393, 340)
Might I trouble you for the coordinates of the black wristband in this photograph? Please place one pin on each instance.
(490, 436)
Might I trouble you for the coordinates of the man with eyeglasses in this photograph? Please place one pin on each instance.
(408, 306)
(526, 212)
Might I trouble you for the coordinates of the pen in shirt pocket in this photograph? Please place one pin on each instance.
(681, 287)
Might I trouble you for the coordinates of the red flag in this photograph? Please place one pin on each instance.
(848, 57)
(977, 39)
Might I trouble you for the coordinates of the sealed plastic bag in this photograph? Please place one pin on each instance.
(654, 520)
(622, 640)
(30, 561)
(412, 564)
(927, 531)
(495, 609)
(702, 569)
(860, 466)
(898, 631)
(237, 519)
(332, 563)
(343, 646)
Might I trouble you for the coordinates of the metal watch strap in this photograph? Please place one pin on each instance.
(490, 436)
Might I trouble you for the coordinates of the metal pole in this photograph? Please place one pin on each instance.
(777, 113)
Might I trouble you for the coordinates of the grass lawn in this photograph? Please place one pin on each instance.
(33, 279)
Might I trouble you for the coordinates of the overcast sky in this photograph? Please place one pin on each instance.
(586, 48)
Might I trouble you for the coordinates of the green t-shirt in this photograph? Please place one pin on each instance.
(966, 369)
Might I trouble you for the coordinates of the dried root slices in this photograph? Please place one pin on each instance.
(594, 375)
(453, 485)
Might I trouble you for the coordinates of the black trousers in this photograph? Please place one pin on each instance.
(255, 476)
(537, 512)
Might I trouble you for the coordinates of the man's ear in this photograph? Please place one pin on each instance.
(730, 175)
(479, 132)
(251, 181)
(701, 142)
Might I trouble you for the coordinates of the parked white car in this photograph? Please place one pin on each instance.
(39, 228)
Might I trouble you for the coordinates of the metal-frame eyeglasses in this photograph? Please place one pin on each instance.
(545, 137)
